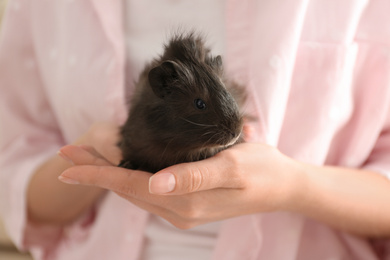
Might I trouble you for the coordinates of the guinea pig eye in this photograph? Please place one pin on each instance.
(200, 104)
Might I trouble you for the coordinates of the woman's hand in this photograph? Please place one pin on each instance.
(104, 138)
(51, 201)
(245, 179)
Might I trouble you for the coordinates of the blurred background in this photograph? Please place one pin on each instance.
(2, 5)
(7, 250)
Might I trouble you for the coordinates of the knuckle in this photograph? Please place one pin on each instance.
(195, 180)
(232, 157)
(182, 222)
(124, 187)
(190, 212)
(183, 225)
(126, 190)
(234, 167)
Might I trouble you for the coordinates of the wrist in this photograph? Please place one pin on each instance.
(53, 202)
(296, 179)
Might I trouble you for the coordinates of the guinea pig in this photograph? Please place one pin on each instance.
(182, 109)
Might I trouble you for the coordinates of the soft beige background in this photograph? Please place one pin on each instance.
(7, 250)
(2, 5)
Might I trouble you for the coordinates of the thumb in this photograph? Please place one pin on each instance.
(191, 177)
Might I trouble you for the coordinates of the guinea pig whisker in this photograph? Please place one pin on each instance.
(211, 137)
(233, 141)
(207, 133)
(198, 124)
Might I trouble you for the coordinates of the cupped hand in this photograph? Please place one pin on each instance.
(104, 138)
(244, 179)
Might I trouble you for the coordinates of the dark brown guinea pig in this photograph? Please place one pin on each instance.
(182, 109)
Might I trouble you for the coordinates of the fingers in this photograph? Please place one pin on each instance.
(104, 137)
(110, 177)
(131, 185)
(93, 169)
(113, 154)
(218, 178)
(181, 211)
(220, 171)
(248, 132)
(82, 155)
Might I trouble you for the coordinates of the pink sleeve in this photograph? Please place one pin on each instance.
(28, 130)
(28, 133)
(379, 159)
(374, 75)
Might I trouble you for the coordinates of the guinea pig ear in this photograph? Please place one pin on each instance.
(161, 76)
(216, 64)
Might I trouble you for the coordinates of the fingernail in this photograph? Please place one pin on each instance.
(162, 183)
(65, 157)
(67, 180)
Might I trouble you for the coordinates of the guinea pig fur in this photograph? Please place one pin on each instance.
(182, 109)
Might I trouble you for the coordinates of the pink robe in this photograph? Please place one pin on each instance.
(318, 73)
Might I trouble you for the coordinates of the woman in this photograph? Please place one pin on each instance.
(311, 183)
